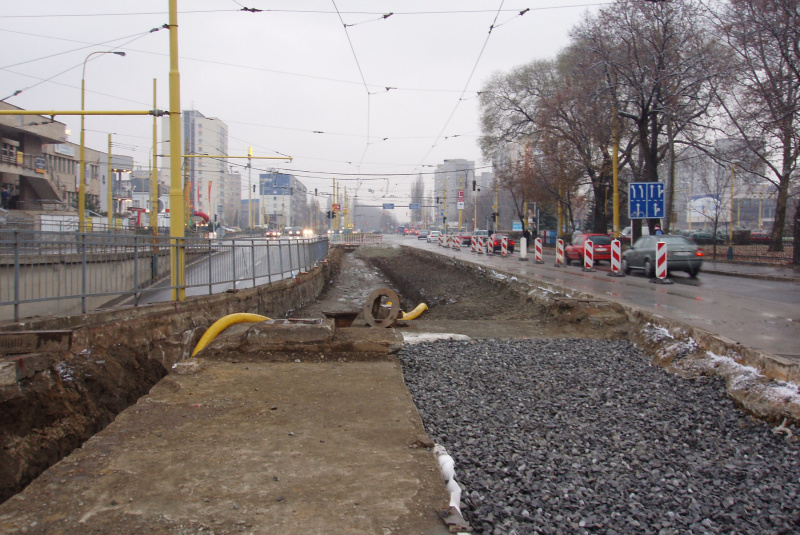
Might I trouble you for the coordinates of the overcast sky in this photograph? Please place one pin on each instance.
(290, 80)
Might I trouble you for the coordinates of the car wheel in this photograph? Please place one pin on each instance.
(649, 271)
(567, 260)
(626, 268)
(693, 271)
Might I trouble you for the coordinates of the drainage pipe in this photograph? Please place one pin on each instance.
(223, 323)
(414, 314)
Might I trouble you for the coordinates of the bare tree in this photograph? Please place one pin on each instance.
(763, 107)
(661, 63)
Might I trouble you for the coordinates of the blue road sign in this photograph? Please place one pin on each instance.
(646, 200)
(413, 206)
(388, 206)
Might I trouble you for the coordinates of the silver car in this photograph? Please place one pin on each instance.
(682, 255)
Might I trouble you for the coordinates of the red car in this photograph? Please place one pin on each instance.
(465, 238)
(601, 244)
(496, 241)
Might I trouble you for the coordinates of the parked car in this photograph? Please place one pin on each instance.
(496, 242)
(707, 237)
(626, 233)
(601, 247)
(683, 254)
(433, 236)
(423, 235)
(760, 236)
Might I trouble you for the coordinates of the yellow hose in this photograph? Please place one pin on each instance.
(223, 323)
(414, 314)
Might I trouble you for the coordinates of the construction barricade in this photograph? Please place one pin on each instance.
(538, 251)
(616, 259)
(588, 256)
(559, 252)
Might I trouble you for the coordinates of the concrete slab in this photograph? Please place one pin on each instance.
(255, 447)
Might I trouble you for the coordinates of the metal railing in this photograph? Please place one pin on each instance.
(356, 238)
(61, 273)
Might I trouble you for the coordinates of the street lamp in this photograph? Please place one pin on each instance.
(82, 184)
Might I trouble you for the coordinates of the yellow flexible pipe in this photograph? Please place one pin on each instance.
(223, 323)
(414, 314)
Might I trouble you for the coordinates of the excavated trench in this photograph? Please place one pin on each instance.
(82, 393)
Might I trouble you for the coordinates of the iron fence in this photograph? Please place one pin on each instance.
(61, 273)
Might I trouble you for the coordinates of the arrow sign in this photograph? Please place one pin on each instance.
(646, 200)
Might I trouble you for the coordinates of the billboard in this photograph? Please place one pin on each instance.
(703, 208)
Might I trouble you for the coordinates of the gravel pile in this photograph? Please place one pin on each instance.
(584, 436)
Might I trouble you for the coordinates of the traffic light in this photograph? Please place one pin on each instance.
(437, 200)
(474, 185)
(494, 216)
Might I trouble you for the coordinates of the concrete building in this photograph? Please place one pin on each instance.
(35, 175)
(706, 189)
(284, 201)
(207, 177)
(40, 168)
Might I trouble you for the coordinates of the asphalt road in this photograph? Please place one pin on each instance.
(760, 314)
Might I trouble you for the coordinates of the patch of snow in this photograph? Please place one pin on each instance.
(419, 338)
(64, 372)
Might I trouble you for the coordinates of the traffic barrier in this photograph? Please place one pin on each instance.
(457, 243)
(661, 264)
(473, 242)
(481, 244)
(440, 240)
(559, 252)
(489, 245)
(588, 256)
(538, 251)
(523, 248)
(616, 256)
(504, 246)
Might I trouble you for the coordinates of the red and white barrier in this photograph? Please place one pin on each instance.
(588, 255)
(457, 243)
(538, 251)
(661, 260)
(504, 246)
(616, 259)
(559, 252)
(481, 244)
(473, 244)
(489, 245)
(440, 240)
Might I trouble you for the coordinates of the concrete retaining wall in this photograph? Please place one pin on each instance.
(52, 401)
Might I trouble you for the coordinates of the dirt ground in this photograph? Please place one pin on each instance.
(468, 301)
(256, 444)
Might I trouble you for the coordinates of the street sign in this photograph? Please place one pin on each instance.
(461, 195)
(646, 200)
(336, 207)
(413, 206)
(460, 205)
(388, 206)
(516, 225)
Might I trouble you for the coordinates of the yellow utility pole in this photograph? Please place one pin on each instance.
(460, 191)
(176, 220)
(249, 187)
(154, 173)
(615, 169)
(108, 187)
(444, 206)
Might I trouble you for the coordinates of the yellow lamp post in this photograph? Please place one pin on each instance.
(82, 172)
